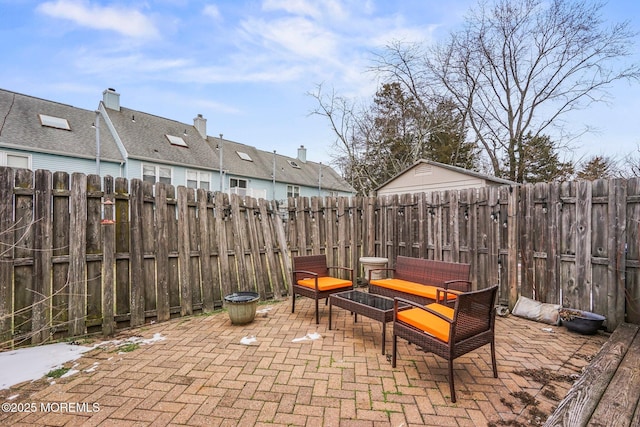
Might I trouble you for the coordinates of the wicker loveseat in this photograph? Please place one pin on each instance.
(419, 279)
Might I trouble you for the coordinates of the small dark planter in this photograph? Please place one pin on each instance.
(582, 322)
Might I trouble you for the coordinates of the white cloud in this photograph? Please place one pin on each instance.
(212, 11)
(256, 72)
(294, 7)
(298, 36)
(134, 65)
(128, 22)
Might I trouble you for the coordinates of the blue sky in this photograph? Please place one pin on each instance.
(247, 65)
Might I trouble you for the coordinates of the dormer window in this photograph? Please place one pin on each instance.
(176, 140)
(54, 122)
(293, 164)
(244, 156)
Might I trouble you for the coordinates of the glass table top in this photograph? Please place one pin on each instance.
(371, 300)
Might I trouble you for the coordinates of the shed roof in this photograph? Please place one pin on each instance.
(490, 178)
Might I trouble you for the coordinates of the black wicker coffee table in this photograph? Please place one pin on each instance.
(369, 305)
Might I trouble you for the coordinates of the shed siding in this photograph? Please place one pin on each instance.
(418, 179)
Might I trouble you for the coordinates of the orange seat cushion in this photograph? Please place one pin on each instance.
(429, 322)
(325, 283)
(412, 288)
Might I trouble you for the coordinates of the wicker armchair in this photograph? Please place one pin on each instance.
(446, 331)
(311, 279)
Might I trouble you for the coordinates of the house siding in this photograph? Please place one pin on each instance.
(56, 163)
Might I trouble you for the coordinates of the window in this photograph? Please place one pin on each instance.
(156, 173)
(197, 179)
(54, 122)
(238, 186)
(15, 160)
(176, 140)
(244, 156)
(293, 191)
(237, 182)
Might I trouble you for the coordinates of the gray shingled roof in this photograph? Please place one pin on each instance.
(20, 128)
(144, 137)
(261, 166)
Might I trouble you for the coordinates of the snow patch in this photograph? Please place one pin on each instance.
(28, 364)
(308, 337)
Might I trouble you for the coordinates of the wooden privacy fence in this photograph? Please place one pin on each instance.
(574, 243)
(79, 254)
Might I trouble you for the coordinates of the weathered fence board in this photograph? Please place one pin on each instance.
(94, 247)
(78, 255)
(23, 266)
(109, 259)
(632, 249)
(6, 255)
(162, 254)
(61, 226)
(123, 256)
(149, 249)
(136, 255)
(43, 250)
(184, 254)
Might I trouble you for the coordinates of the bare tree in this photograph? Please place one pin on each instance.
(350, 125)
(516, 68)
(630, 165)
(377, 141)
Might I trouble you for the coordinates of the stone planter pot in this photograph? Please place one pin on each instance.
(372, 263)
(241, 307)
(582, 322)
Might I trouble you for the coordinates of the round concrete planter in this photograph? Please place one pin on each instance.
(241, 307)
(372, 263)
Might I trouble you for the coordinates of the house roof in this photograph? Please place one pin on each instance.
(474, 174)
(288, 169)
(144, 137)
(21, 128)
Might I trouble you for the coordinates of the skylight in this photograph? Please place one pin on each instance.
(293, 164)
(176, 140)
(244, 156)
(54, 122)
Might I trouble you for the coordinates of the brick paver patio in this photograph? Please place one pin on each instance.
(202, 375)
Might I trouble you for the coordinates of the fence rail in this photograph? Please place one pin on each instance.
(80, 254)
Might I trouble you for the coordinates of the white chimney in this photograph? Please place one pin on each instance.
(302, 154)
(200, 123)
(111, 99)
